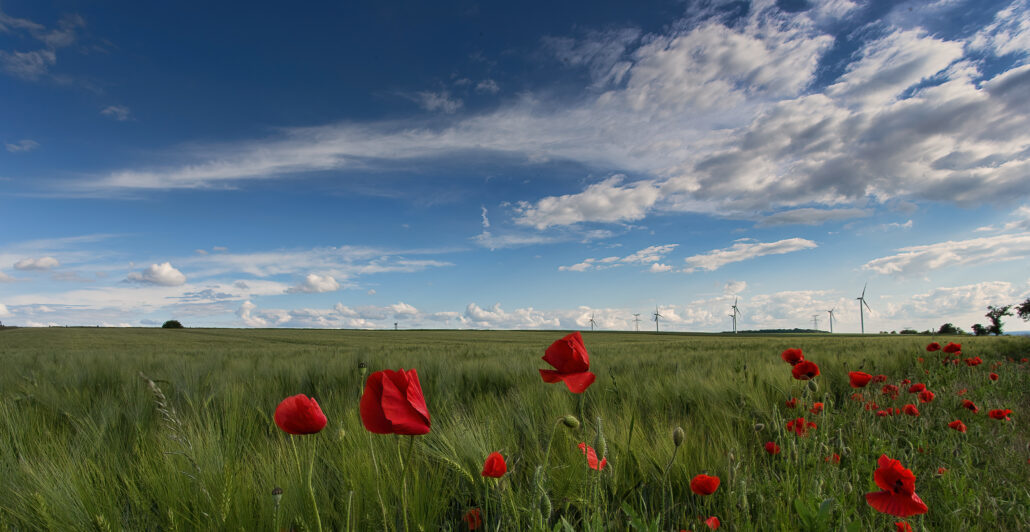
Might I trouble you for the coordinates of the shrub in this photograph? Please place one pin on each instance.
(172, 324)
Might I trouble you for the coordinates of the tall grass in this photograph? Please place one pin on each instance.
(88, 443)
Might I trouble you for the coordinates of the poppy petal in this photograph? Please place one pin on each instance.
(578, 382)
(372, 415)
(896, 504)
(404, 418)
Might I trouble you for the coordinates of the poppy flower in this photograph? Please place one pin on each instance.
(871, 405)
(969, 405)
(898, 497)
(916, 388)
(961, 392)
(792, 402)
(713, 522)
(857, 397)
(920, 360)
(804, 370)
(473, 518)
(494, 466)
(835, 458)
(890, 390)
(816, 408)
(993, 376)
(857, 379)
(799, 426)
(952, 347)
(933, 346)
(975, 361)
(905, 382)
(772, 448)
(792, 356)
(392, 403)
(926, 396)
(911, 410)
(903, 526)
(299, 415)
(941, 471)
(704, 484)
(957, 425)
(592, 457)
(883, 413)
(1000, 414)
(879, 378)
(568, 356)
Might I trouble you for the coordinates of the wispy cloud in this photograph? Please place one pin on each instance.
(918, 260)
(21, 146)
(32, 65)
(742, 251)
(650, 255)
(41, 263)
(118, 112)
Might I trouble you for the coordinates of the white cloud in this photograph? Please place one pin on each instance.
(439, 101)
(4, 278)
(4, 313)
(735, 287)
(917, 260)
(607, 201)
(648, 255)
(403, 310)
(371, 291)
(21, 146)
(1009, 33)
(117, 112)
(486, 221)
(246, 313)
(742, 251)
(488, 86)
(809, 216)
(163, 274)
(42, 263)
(659, 267)
(316, 284)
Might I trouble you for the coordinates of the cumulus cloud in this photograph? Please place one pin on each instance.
(4, 312)
(917, 260)
(659, 267)
(315, 284)
(742, 251)
(607, 201)
(163, 274)
(21, 146)
(42, 263)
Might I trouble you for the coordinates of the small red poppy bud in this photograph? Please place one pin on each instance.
(299, 415)
(494, 466)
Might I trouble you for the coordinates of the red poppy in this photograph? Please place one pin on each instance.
(569, 357)
(494, 466)
(926, 396)
(857, 379)
(911, 410)
(880, 378)
(969, 405)
(473, 518)
(916, 388)
(857, 397)
(952, 347)
(890, 390)
(299, 415)
(961, 392)
(933, 346)
(993, 376)
(792, 402)
(800, 426)
(804, 370)
(920, 360)
(792, 356)
(957, 425)
(903, 526)
(898, 497)
(592, 462)
(393, 403)
(871, 405)
(772, 448)
(835, 458)
(704, 484)
(883, 413)
(905, 382)
(941, 470)
(713, 522)
(1024, 359)
(816, 408)
(975, 361)
(1000, 414)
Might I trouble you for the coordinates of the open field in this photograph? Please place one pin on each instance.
(83, 445)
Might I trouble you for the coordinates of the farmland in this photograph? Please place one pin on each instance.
(87, 443)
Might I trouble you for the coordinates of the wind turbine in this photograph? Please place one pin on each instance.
(592, 322)
(831, 318)
(736, 312)
(656, 316)
(636, 318)
(861, 302)
(815, 321)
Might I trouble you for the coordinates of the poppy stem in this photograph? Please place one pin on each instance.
(311, 491)
(547, 450)
(404, 480)
(375, 464)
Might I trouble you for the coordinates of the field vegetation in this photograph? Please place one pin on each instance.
(172, 429)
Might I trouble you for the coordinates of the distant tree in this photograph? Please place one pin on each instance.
(908, 331)
(1023, 310)
(172, 324)
(995, 314)
(980, 330)
(948, 328)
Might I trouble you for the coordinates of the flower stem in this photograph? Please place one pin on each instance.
(404, 481)
(311, 491)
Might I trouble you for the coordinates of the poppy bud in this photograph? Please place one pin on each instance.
(813, 386)
(677, 436)
(759, 427)
(277, 495)
(570, 421)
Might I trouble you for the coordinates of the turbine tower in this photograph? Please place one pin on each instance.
(656, 316)
(736, 312)
(831, 318)
(636, 318)
(592, 322)
(815, 321)
(861, 302)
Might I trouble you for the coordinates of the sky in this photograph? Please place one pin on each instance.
(514, 166)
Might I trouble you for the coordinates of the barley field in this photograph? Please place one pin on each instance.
(153, 429)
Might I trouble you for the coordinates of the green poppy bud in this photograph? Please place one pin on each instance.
(570, 421)
(677, 436)
(813, 386)
(759, 427)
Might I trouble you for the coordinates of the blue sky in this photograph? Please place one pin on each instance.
(469, 165)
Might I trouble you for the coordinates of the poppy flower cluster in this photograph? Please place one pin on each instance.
(898, 496)
(799, 426)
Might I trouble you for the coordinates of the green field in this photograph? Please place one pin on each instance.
(85, 444)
